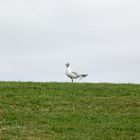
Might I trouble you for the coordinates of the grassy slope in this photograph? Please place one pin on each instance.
(69, 111)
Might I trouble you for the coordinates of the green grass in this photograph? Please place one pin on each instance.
(69, 111)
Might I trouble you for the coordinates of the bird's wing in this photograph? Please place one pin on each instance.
(75, 73)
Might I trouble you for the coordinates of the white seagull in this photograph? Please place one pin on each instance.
(72, 74)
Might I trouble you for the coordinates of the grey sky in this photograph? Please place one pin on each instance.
(99, 37)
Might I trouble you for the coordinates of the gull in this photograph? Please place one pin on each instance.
(72, 74)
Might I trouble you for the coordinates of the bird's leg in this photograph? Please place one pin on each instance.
(72, 80)
(80, 78)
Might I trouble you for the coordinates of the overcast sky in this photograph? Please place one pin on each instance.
(98, 37)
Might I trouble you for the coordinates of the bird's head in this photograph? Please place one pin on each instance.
(67, 64)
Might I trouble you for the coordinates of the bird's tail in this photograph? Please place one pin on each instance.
(82, 76)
